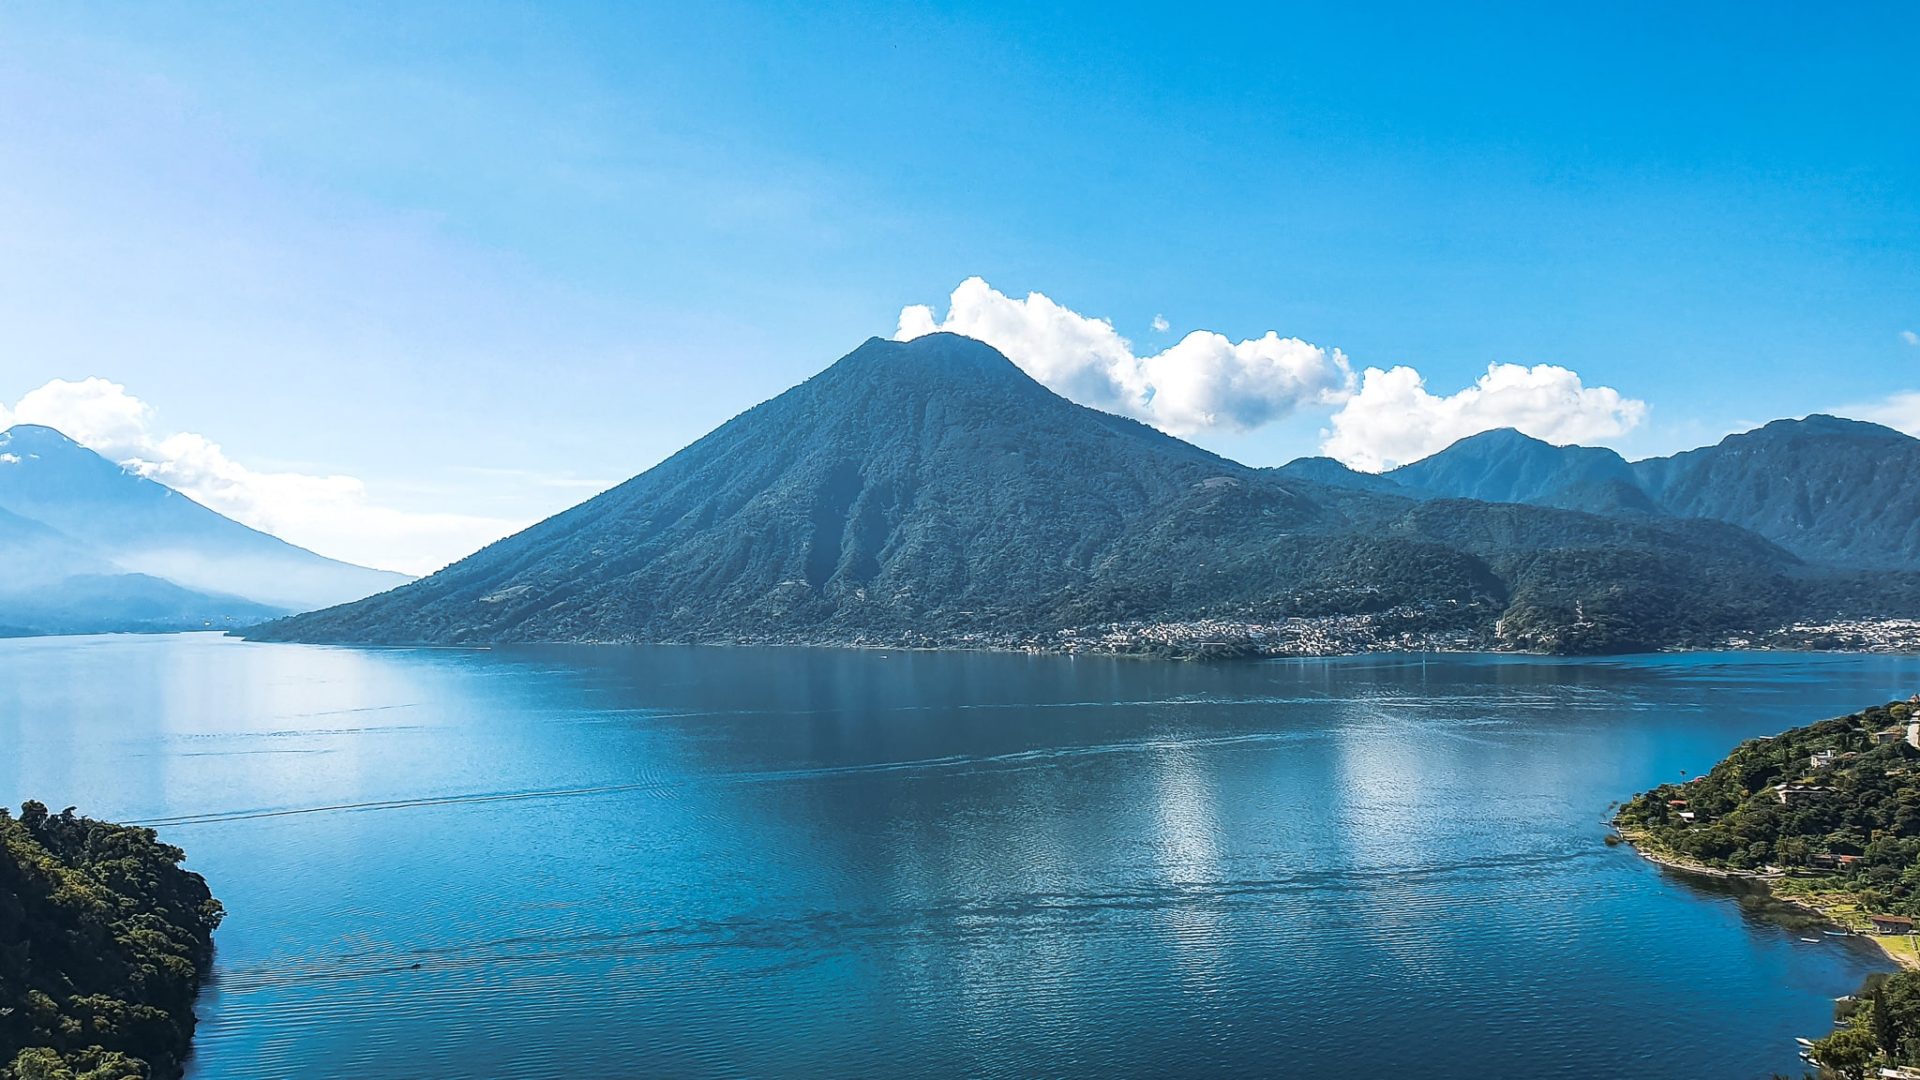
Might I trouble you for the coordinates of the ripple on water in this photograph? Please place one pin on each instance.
(565, 863)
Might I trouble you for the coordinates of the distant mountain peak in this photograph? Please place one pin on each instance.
(36, 438)
(138, 525)
(1823, 424)
(1507, 465)
(1502, 436)
(930, 360)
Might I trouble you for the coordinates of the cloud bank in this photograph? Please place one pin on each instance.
(1208, 382)
(1899, 411)
(1204, 382)
(1394, 419)
(331, 514)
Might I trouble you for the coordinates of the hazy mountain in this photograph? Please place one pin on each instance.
(32, 554)
(51, 583)
(929, 492)
(123, 523)
(122, 603)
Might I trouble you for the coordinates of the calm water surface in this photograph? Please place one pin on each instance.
(572, 862)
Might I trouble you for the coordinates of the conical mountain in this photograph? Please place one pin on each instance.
(910, 482)
(929, 492)
(136, 525)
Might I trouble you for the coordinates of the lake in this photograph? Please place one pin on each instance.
(623, 862)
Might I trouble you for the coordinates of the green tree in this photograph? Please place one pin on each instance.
(1849, 1052)
(103, 942)
(1881, 1018)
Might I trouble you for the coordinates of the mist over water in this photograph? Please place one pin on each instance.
(565, 862)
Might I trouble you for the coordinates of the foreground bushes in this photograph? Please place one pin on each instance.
(103, 943)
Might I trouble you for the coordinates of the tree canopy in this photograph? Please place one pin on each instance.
(104, 940)
(1839, 799)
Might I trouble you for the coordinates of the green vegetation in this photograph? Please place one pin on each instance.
(103, 943)
(1830, 815)
(1834, 806)
(1879, 1028)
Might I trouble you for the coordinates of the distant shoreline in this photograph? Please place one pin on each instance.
(1109, 641)
(1232, 654)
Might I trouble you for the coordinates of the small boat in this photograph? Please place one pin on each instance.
(1805, 1044)
(1811, 940)
(1838, 933)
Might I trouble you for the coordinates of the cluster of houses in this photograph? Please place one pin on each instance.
(1910, 734)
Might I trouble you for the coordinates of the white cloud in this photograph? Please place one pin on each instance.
(331, 514)
(1898, 411)
(1394, 419)
(1910, 337)
(1206, 381)
(1161, 325)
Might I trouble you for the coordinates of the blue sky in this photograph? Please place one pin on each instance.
(482, 259)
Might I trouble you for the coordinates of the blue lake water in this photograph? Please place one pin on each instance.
(611, 862)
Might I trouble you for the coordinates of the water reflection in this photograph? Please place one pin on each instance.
(563, 862)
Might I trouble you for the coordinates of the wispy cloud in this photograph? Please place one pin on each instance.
(1899, 411)
(1910, 337)
(1394, 419)
(329, 513)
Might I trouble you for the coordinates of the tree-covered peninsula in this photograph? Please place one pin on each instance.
(1829, 810)
(1829, 814)
(104, 940)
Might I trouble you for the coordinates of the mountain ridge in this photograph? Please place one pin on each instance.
(1829, 489)
(931, 493)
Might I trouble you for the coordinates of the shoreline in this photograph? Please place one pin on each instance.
(1401, 630)
(1201, 655)
(1907, 961)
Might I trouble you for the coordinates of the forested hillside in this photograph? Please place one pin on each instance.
(1833, 492)
(104, 940)
(1837, 802)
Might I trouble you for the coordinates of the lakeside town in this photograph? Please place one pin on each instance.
(1401, 629)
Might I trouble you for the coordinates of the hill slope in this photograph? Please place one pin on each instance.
(1829, 490)
(929, 492)
(1506, 466)
(127, 523)
(1801, 800)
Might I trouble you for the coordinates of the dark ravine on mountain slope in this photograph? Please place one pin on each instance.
(930, 493)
